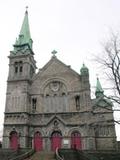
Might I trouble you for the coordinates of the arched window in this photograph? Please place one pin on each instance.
(16, 67)
(55, 97)
(77, 102)
(20, 66)
(34, 103)
(32, 71)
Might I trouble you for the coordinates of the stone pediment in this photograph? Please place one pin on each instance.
(55, 67)
(55, 70)
(56, 120)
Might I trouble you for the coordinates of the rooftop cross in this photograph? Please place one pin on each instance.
(54, 53)
(26, 8)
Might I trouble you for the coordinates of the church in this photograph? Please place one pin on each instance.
(53, 108)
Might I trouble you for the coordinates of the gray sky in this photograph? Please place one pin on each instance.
(75, 28)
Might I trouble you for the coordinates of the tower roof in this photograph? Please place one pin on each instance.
(99, 91)
(24, 36)
(84, 70)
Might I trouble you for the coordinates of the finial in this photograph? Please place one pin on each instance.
(54, 53)
(26, 9)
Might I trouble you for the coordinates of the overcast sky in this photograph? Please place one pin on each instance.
(75, 28)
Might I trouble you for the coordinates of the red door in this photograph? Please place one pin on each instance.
(14, 140)
(76, 140)
(56, 141)
(38, 144)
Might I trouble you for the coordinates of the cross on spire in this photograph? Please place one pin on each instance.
(26, 8)
(54, 52)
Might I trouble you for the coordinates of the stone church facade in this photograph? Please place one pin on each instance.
(53, 108)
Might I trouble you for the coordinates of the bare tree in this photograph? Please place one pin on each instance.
(111, 64)
(110, 61)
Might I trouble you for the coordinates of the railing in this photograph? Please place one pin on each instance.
(23, 156)
(58, 157)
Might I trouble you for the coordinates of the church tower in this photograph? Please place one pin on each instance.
(22, 67)
(22, 63)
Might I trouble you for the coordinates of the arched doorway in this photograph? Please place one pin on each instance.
(56, 140)
(76, 140)
(38, 142)
(14, 140)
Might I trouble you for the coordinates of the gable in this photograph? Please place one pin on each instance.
(55, 120)
(54, 67)
(102, 104)
(55, 70)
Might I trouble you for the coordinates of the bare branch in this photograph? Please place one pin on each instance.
(110, 60)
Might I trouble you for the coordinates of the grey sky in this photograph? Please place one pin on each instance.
(75, 28)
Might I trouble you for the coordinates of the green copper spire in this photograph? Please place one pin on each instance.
(99, 91)
(24, 38)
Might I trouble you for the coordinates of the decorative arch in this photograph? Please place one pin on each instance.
(38, 141)
(45, 83)
(34, 130)
(56, 140)
(76, 142)
(14, 140)
(55, 96)
(75, 129)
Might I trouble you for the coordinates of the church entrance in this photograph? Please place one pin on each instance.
(14, 141)
(56, 140)
(76, 140)
(38, 142)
